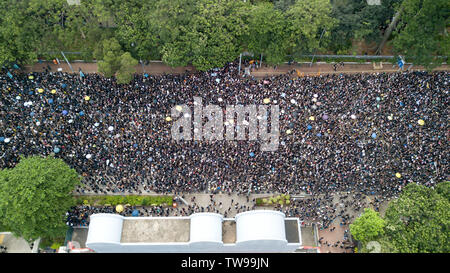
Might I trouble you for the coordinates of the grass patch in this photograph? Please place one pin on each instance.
(282, 199)
(133, 200)
(54, 243)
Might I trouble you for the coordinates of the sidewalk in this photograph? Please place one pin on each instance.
(304, 69)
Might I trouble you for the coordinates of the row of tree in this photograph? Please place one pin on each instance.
(210, 33)
(417, 222)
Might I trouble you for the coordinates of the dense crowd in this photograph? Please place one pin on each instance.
(349, 132)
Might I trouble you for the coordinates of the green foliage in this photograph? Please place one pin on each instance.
(359, 21)
(443, 189)
(116, 62)
(35, 195)
(127, 68)
(422, 32)
(306, 21)
(266, 32)
(133, 200)
(208, 34)
(54, 243)
(419, 220)
(203, 33)
(368, 226)
(281, 199)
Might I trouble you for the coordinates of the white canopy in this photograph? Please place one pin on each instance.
(260, 225)
(206, 227)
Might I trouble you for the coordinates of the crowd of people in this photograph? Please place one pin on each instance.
(368, 134)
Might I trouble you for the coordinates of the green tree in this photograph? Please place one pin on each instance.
(266, 33)
(35, 195)
(368, 226)
(21, 29)
(306, 21)
(137, 29)
(203, 33)
(115, 62)
(422, 32)
(127, 68)
(419, 220)
(359, 21)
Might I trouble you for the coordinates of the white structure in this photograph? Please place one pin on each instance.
(374, 2)
(252, 231)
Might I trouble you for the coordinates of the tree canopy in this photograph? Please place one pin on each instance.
(208, 34)
(368, 226)
(422, 32)
(417, 222)
(35, 195)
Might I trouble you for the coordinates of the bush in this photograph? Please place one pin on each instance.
(132, 200)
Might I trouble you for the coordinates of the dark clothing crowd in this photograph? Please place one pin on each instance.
(338, 132)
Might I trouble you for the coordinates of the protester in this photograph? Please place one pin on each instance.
(365, 137)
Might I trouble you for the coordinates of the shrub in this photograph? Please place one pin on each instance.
(132, 200)
(145, 201)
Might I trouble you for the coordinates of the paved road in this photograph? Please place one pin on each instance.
(159, 68)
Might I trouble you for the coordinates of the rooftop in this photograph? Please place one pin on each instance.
(155, 230)
(229, 231)
(291, 227)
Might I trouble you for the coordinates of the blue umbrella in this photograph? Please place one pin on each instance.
(64, 112)
(252, 154)
(81, 113)
(63, 85)
(56, 150)
(402, 104)
(319, 134)
(309, 127)
(135, 213)
(135, 145)
(374, 135)
(2, 139)
(30, 93)
(32, 114)
(146, 75)
(50, 101)
(410, 126)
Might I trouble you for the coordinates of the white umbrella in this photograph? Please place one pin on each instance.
(88, 156)
(110, 128)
